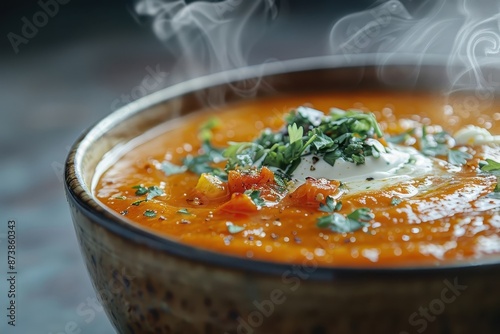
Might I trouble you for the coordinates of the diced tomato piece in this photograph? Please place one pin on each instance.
(239, 181)
(314, 191)
(239, 204)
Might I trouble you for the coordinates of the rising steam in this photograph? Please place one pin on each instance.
(465, 33)
(209, 37)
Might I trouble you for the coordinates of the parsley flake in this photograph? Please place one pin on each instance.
(493, 167)
(281, 180)
(205, 131)
(233, 229)
(150, 192)
(255, 197)
(437, 144)
(295, 133)
(457, 157)
(183, 211)
(330, 205)
(396, 201)
(120, 197)
(203, 163)
(434, 145)
(141, 190)
(153, 192)
(170, 169)
(339, 223)
(401, 138)
(150, 213)
(490, 165)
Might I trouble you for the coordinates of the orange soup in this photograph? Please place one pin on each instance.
(365, 179)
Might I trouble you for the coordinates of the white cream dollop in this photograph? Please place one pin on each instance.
(397, 164)
(475, 135)
(374, 168)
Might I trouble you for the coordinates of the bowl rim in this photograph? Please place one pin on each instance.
(82, 197)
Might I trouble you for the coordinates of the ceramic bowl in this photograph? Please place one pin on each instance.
(152, 284)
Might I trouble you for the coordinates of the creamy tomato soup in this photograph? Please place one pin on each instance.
(365, 179)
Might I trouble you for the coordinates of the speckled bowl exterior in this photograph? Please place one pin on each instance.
(152, 284)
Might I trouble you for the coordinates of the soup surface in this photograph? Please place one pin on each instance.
(277, 180)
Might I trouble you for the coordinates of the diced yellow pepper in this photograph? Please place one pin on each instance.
(212, 187)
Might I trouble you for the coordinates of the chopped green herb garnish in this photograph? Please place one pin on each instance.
(490, 165)
(205, 131)
(342, 134)
(150, 213)
(295, 133)
(243, 155)
(281, 180)
(120, 197)
(233, 229)
(396, 201)
(153, 192)
(255, 197)
(434, 145)
(365, 123)
(401, 138)
(183, 211)
(150, 192)
(493, 167)
(170, 169)
(362, 214)
(141, 190)
(203, 163)
(330, 205)
(437, 144)
(344, 224)
(322, 141)
(457, 157)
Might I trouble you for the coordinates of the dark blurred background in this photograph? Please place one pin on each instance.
(70, 73)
